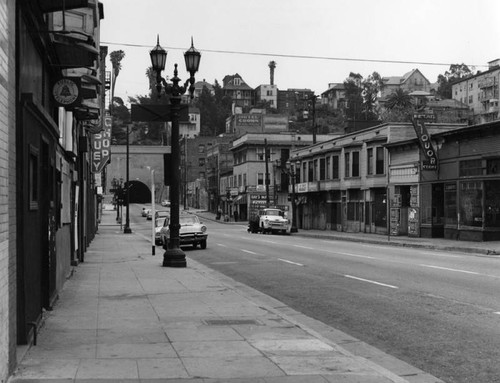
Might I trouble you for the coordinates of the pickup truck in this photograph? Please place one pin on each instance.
(269, 220)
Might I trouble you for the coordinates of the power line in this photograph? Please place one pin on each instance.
(301, 56)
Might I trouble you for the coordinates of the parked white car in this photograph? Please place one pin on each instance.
(270, 220)
(192, 232)
(158, 226)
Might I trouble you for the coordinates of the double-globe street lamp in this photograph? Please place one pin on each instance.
(174, 256)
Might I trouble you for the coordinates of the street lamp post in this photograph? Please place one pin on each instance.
(174, 256)
(291, 170)
(153, 207)
(127, 229)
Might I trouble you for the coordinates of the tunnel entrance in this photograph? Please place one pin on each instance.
(139, 192)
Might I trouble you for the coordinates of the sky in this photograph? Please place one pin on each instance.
(313, 42)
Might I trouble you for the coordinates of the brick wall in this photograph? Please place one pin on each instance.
(7, 190)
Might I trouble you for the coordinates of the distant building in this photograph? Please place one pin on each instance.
(191, 129)
(240, 92)
(293, 101)
(480, 93)
(334, 96)
(413, 81)
(267, 93)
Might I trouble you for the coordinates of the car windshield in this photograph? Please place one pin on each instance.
(273, 212)
(188, 220)
(159, 221)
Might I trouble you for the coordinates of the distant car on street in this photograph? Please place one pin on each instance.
(144, 212)
(162, 213)
(149, 214)
(165, 203)
(269, 220)
(158, 226)
(192, 232)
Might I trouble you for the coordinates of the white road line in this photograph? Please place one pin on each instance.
(248, 251)
(351, 255)
(370, 281)
(293, 263)
(497, 312)
(304, 247)
(221, 245)
(448, 269)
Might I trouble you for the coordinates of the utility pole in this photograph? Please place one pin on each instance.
(266, 154)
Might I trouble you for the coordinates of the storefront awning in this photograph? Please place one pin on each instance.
(73, 52)
(82, 113)
(59, 5)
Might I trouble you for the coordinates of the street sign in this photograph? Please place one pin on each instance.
(157, 113)
(101, 143)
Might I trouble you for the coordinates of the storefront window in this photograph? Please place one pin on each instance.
(471, 168)
(492, 203)
(426, 198)
(379, 207)
(450, 204)
(471, 209)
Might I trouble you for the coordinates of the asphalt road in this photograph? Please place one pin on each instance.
(438, 311)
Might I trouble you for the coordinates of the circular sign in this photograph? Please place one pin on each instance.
(65, 91)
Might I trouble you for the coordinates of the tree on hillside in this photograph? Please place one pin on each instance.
(446, 80)
(399, 99)
(361, 96)
(214, 109)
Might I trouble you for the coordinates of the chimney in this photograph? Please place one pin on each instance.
(272, 65)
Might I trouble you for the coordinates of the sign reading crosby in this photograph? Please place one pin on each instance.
(101, 143)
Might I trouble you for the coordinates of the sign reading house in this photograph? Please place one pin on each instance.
(424, 139)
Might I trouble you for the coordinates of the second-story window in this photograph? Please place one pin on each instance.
(260, 178)
(369, 161)
(310, 171)
(379, 161)
(261, 154)
(328, 165)
(347, 165)
(335, 167)
(355, 164)
(322, 169)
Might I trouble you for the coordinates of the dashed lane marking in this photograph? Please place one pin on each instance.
(370, 281)
(292, 263)
(449, 269)
(304, 247)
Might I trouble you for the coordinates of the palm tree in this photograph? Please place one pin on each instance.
(399, 99)
(115, 57)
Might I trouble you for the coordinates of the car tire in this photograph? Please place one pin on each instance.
(195, 245)
(203, 244)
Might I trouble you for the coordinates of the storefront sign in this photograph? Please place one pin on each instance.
(248, 120)
(425, 143)
(101, 143)
(66, 92)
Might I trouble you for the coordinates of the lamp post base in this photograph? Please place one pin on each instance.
(127, 230)
(174, 258)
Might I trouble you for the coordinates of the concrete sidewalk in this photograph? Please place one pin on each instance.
(123, 317)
